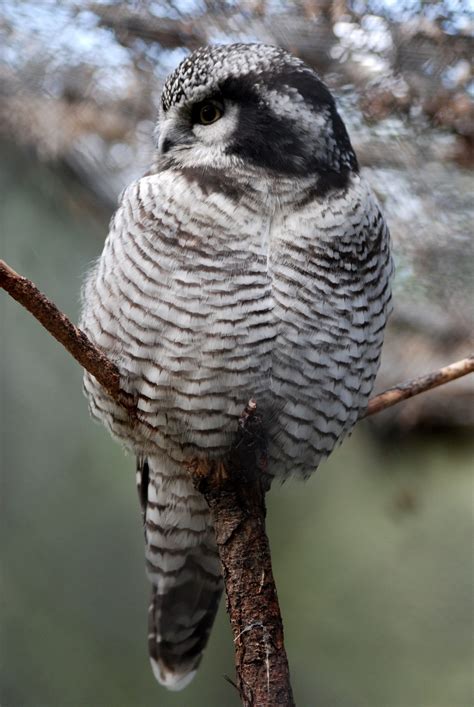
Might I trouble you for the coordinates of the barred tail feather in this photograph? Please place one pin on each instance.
(184, 568)
(179, 625)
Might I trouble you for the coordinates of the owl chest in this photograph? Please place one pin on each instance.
(199, 297)
(212, 285)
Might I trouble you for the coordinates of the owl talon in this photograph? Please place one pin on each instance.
(198, 467)
(201, 469)
(220, 471)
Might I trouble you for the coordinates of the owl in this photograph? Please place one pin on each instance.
(252, 261)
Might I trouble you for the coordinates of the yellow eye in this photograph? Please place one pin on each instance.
(209, 113)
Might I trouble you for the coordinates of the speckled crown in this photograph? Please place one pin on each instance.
(208, 66)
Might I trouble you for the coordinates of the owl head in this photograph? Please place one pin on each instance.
(252, 106)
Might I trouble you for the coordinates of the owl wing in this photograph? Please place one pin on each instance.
(129, 312)
(332, 272)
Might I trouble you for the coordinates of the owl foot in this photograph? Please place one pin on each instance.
(198, 467)
(220, 471)
(247, 455)
(201, 469)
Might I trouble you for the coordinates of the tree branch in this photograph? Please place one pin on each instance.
(235, 493)
(73, 339)
(403, 391)
(97, 364)
(234, 489)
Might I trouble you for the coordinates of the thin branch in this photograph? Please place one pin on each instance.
(97, 364)
(395, 395)
(73, 339)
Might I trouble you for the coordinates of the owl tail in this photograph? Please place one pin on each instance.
(184, 568)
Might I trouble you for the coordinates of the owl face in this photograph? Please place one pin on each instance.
(254, 107)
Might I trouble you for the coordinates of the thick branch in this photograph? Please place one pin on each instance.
(235, 493)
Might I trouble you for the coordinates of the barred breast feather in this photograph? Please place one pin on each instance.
(249, 289)
(210, 291)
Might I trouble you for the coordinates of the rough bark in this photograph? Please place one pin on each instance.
(235, 493)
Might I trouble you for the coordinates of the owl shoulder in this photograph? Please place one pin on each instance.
(144, 198)
(362, 210)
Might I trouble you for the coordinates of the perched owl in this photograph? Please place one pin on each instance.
(253, 261)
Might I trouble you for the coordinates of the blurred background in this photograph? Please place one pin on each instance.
(373, 556)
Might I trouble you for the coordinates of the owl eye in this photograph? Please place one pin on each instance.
(209, 112)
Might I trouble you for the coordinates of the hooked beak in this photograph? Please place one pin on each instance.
(165, 145)
(172, 132)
